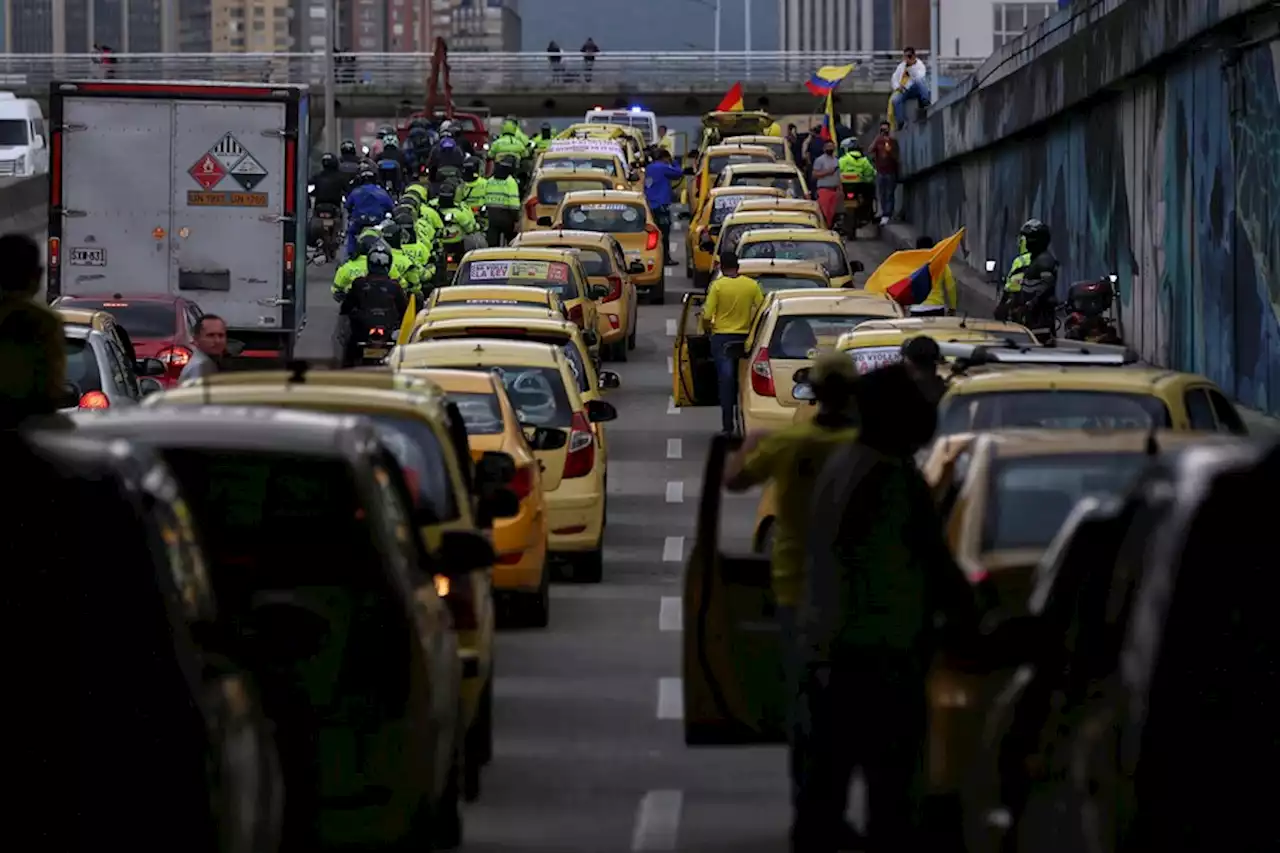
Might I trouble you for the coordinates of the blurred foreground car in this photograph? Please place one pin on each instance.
(160, 327)
(100, 376)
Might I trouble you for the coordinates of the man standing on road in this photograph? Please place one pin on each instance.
(826, 172)
(211, 347)
(33, 360)
(884, 151)
(732, 303)
(658, 176)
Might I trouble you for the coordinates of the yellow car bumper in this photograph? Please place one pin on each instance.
(521, 543)
(613, 323)
(575, 513)
(765, 414)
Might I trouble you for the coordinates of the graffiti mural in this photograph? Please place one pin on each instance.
(1174, 186)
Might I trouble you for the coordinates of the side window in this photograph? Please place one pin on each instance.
(1228, 418)
(761, 320)
(119, 375)
(619, 258)
(1200, 411)
(193, 317)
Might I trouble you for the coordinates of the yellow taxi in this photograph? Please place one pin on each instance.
(714, 160)
(520, 573)
(774, 275)
(799, 244)
(879, 343)
(738, 223)
(606, 264)
(630, 138)
(627, 217)
(549, 186)
(557, 270)
(720, 125)
(783, 176)
(544, 392)
(706, 225)
(501, 296)
(780, 203)
(421, 429)
(590, 155)
(776, 144)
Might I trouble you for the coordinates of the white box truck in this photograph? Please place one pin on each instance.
(196, 190)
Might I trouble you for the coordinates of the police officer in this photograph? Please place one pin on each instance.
(420, 252)
(855, 168)
(543, 140)
(1034, 262)
(502, 199)
(508, 143)
(410, 277)
(473, 190)
(460, 231)
(359, 265)
(371, 299)
(445, 155)
(367, 203)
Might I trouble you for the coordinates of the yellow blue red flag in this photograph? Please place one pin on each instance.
(909, 277)
(825, 79)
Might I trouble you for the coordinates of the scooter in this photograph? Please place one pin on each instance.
(1088, 310)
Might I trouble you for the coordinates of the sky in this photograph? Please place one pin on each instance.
(664, 25)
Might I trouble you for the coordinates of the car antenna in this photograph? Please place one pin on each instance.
(297, 371)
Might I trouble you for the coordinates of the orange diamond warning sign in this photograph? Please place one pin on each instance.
(208, 172)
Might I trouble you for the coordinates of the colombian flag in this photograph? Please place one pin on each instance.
(732, 101)
(829, 120)
(909, 277)
(826, 78)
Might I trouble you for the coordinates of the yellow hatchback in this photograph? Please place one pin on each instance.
(799, 244)
(738, 223)
(557, 270)
(548, 189)
(585, 158)
(606, 264)
(625, 216)
(715, 160)
(706, 225)
(782, 176)
(774, 275)
(780, 203)
(776, 144)
(544, 392)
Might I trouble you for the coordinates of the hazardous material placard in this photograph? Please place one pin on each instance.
(228, 151)
(208, 172)
(226, 199)
(248, 172)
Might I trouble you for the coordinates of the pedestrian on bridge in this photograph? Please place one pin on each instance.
(589, 51)
(910, 83)
(553, 57)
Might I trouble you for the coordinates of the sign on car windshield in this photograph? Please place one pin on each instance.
(867, 359)
(552, 275)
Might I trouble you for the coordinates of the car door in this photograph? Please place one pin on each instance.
(732, 649)
(693, 369)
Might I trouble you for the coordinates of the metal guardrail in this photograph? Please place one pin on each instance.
(609, 72)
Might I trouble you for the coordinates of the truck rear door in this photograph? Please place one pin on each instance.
(228, 209)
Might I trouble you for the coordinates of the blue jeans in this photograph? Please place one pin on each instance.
(918, 90)
(727, 377)
(886, 187)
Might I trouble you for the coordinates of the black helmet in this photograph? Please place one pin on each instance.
(1036, 233)
(329, 162)
(391, 234)
(448, 194)
(348, 146)
(378, 259)
(367, 175)
(404, 209)
(504, 167)
(470, 168)
(419, 123)
(404, 217)
(546, 125)
(409, 200)
(367, 243)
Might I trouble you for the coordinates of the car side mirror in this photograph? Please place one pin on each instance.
(688, 170)
(857, 266)
(234, 347)
(149, 367)
(149, 386)
(610, 380)
(69, 396)
(635, 268)
(598, 291)
(803, 391)
(544, 221)
(736, 350)
(598, 411)
(546, 438)
(464, 551)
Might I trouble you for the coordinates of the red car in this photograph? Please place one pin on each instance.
(160, 326)
(471, 125)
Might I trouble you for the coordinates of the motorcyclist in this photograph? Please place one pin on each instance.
(473, 190)
(349, 161)
(391, 164)
(371, 299)
(419, 252)
(855, 168)
(428, 216)
(543, 140)
(455, 131)
(358, 265)
(446, 154)
(509, 143)
(423, 231)
(514, 121)
(502, 200)
(1029, 287)
(366, 203)
(411, 273)
(458, 221)
(329, 185)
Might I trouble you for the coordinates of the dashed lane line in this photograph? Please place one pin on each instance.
(670, 614)
(675, 448)
(673, 549)
(671, 365)
(672, 408)
(657, 824)
(670, 699)
(675, 492)
(671, 327)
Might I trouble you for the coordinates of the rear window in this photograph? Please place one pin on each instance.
(1051, 410)
(481, 413)
(556, 276)
(829, 255)
(789, 184)
(553, 192)
(718, 162)
(140, 319)
(537, 394)
(798, 335)
(466, 124)
(607, 165)
(82, 365)
(770, 283)
(1031, 497)
(723, 205)
(609, 218)
(594, 261)
(421, 457)
(731, 234)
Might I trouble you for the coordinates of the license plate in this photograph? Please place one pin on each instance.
(375, 352)
(85, 257)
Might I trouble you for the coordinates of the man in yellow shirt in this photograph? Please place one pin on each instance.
(732, 303)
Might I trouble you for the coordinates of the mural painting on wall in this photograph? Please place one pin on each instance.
(1173, 185)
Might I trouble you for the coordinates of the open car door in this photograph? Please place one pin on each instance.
(733, 679)
(693, 372)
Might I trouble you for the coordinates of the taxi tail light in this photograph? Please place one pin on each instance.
(531, 209)
(576, 316)
(581, 455)
(95, 400)
(458, 597)
(615, 289)
(522, 483)
(652, 242)
(762, 374)
(174, 356)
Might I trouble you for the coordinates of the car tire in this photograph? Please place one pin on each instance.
(588, 567)
(631, 338)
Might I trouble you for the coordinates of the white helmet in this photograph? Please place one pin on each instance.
(849, 144)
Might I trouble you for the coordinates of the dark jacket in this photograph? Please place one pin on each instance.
(33, 360)
(330, 187)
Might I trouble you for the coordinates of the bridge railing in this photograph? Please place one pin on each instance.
(609, 73)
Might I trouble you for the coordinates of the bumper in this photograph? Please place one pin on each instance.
(613, 321)
(521, 543)
(652, 274)
(761, 416)
(575, 514)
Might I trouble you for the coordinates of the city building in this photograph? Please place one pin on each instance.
(836, 25)
(126, 26)
(981, 27)
(491, 26)
(251, 26)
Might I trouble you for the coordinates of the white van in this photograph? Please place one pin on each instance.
(23, 147)
(644, 120)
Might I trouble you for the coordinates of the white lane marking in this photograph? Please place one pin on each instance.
(671, 365)
(670, 699)
(675, 448)
(657, 821)
(675, 492)
(670, 614)
(673, 549)
(671, 327)
(672, 408)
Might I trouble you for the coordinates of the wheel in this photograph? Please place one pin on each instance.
(588, 567)
(631, 338)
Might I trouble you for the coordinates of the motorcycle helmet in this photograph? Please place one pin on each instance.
(414, 194)
(849, 144)
(470, 169)
(1034, 236)
(503, 168)
(366, 175)
(510, 126)
(447, 143)
(347, 148)
(386, 130)
(420, 123)
(329, 162)
(366, 244)
(404, 217)
(390, 141)
(378, 258)
(447, 195)
(391, 234)
(404, 208)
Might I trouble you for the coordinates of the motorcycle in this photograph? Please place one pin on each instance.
(324, 234)
(1034, 306)
(859, 206)
(1088, 310)
(373, 347)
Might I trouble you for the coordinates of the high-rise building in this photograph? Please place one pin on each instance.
(126, 26)
(980, 27)
(491, 26)
(834, 25)
(251, 26)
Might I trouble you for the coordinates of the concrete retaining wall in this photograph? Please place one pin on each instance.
(24, 204)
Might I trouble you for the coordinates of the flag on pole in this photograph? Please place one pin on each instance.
(829, 120)
(406, 322)
(825, 79)
(909, 277)
(732, 101)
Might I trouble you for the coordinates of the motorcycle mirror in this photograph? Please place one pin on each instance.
(1113, 278)
(311, 188)
(991, 266)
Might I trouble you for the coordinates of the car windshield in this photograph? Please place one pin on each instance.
(723, 205)
(553, 191)
(607, 165)
(1032, 496)
(537, 394)
(829, 255)
(1048, 409)
(789, 184)
(770, 283)
(140, 319)
(556, 276)
(421, 458)
(82, 365)
(609, 218)
(481, 413)
(800, 335)
(718, 162)
(13, 131)
(732, 233)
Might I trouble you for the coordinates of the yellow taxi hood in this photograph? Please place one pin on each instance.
(737, 122)
(769, 217)
(773, 266)
(795, 235)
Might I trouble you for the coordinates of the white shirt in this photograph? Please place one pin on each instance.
(199, 366)
(916, 70)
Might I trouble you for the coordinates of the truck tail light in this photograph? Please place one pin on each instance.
(762, 374)
(581, 456)
(652, 242)
(615, 289)
(55, 252)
